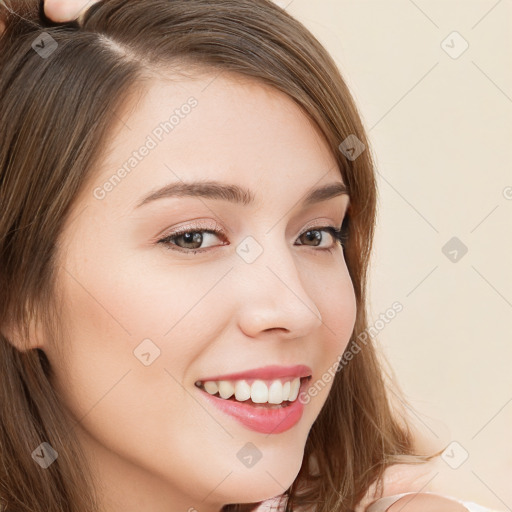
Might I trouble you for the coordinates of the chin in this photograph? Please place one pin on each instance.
(260, 484)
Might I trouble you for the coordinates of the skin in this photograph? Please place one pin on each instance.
(121, 288)
(153, 440)
(423, 501)
(66, 10)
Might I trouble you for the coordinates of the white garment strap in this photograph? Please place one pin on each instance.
(474, 507)
(383, 504)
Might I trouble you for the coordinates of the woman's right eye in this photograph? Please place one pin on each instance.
(192, 239)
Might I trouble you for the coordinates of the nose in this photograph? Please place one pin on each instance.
(273, 296)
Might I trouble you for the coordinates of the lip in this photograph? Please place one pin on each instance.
(266, 373)
(261, 419)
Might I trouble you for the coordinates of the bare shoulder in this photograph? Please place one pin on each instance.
(399, 479)
(423, 502)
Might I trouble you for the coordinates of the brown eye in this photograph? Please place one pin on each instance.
(313, 235)
(189, 240)
(194, 238)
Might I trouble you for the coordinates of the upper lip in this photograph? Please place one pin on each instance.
(266, 373)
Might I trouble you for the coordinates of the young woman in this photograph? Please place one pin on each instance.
(184, 238)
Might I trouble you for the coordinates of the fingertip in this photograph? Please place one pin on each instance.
(62, 11)
(54, 10)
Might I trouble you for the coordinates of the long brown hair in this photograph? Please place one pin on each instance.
(57, 109)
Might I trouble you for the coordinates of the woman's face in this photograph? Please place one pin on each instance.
(145, 320)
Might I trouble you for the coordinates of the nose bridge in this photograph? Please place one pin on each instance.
(274, 292)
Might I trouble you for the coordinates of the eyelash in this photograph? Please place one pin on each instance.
(339, 235)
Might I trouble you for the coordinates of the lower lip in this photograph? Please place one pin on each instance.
(260, 419)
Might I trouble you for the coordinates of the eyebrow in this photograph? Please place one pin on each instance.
(235, 193)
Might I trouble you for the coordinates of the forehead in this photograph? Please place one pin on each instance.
(214, 126)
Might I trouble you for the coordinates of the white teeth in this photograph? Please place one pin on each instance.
(294, 389)
(242, 391)
(211, 387)
(275, 392)
(258, 392)
(226, 389)
(286, 390)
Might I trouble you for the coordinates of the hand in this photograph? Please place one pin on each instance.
(62, 10)
(66, 10)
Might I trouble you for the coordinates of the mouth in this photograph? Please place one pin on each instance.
(275, 394)
(255, 413)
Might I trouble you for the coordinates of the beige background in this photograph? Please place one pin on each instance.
(441, 132)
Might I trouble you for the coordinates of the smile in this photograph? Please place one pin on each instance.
(259, 415)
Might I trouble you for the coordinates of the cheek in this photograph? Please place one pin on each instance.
(335, 299)
(132, 408)
(121, 312)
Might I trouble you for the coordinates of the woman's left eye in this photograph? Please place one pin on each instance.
(193, 238)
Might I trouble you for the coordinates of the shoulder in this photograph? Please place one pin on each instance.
(411, 485)
(424, 501)
(415, 502)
